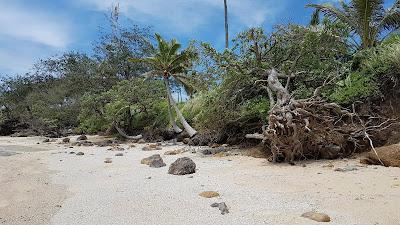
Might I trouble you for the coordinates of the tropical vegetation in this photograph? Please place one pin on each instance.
(141, 82)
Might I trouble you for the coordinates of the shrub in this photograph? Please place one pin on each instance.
(357, 85)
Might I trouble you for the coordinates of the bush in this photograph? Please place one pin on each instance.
(357, 85)
(136, 105)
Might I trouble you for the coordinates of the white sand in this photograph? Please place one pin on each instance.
(255, 191)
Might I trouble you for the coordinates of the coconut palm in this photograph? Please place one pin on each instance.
(226, 24)
(366, 18)
(170, 64)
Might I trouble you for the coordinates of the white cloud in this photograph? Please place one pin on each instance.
(25, 24)
(188, 15)
(28, 34)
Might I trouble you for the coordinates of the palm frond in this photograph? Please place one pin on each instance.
(335, 14)
(391, 19)
(315, 18)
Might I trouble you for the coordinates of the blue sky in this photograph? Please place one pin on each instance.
(34, 29)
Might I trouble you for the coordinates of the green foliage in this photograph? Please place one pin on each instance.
(357, 85)
(226, 89)
(255, 109)
(367, 18)
(134, 104)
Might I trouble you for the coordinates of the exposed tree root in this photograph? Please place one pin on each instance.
(312, 128)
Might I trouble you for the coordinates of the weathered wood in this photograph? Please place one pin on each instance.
(123, 134)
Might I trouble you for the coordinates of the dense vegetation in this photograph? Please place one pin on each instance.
(351, 55)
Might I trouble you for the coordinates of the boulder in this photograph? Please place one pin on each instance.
(182, 166)
(108, 160)
(80, 153)
(149, 160)
(389, 155)
(180, 137)
(319, 217)
(141, 141)
(82, 138)
(104, 143)
(186, 141)
(157, 163)
(65, 140)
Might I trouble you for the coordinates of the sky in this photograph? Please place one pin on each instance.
(34, 29)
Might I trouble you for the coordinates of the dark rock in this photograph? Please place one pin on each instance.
(82, 138)
(182, 166)
(80, 153)
(157, 163)
(108, 160)
(46, 140)
(222, 207)
(86, 143)
(212, 151)
(119, 154)
(53, 134)
(65, 140)
(186, 140)
(346, 169)
(116, 148)
(330, 152)
(180, 137)
(71, 152)
(105, 143)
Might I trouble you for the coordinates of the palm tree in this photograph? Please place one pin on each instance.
(226, 25)
(169, 64)
(366, 18)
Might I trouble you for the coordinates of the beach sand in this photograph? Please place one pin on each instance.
(44, 184)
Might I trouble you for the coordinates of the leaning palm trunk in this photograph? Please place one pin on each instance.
(191, 131)
(175, 127)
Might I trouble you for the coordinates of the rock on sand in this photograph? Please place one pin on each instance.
(182, 166)
(319, 217)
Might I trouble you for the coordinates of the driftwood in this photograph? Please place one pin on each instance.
(114, 127)
(310, 128)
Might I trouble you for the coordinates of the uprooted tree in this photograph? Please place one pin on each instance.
(312, 128)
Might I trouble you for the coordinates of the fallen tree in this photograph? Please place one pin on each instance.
(312, 128)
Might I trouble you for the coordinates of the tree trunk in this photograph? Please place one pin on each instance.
(171, 119)
(123, 134)
(191, 131)
(226, 25)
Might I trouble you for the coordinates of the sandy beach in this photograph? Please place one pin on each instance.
(45, 184)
